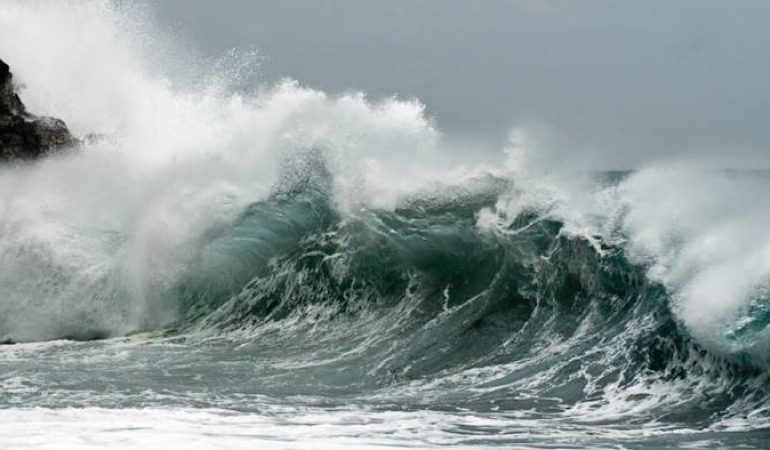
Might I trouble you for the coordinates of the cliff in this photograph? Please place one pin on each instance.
(24, 136)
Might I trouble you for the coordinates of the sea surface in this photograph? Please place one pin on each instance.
(281, 267)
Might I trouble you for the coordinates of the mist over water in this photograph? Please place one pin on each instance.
(268, 262)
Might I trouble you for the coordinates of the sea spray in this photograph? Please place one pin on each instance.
(295, 258)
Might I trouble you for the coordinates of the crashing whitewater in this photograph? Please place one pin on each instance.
(328, 259)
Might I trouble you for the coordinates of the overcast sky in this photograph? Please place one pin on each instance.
(627, 80)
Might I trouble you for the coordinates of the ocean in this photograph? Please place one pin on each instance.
(280, 267)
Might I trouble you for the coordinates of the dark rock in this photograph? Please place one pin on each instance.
(23, 135)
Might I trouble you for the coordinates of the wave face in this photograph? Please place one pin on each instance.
(525, 314)
(319, 252)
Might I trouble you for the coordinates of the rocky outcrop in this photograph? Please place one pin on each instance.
(23, 135)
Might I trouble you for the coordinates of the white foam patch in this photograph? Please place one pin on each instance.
(282, 427)
(705, 236)
(702, 233)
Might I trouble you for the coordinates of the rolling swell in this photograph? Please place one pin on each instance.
(527, 317)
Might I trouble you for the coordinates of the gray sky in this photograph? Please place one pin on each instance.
(627, 81)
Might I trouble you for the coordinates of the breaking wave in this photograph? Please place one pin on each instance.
(336, 228)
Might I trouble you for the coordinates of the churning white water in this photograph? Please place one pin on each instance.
(405, 299)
